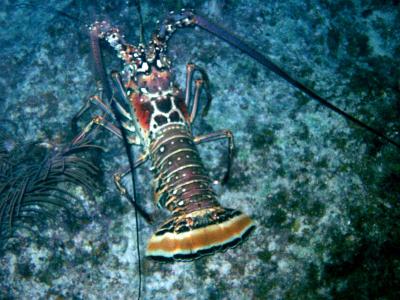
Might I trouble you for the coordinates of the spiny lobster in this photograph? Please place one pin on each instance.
(155, 114)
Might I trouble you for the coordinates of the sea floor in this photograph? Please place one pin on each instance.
(324, 193)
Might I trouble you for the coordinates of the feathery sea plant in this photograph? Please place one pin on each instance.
(35, 179)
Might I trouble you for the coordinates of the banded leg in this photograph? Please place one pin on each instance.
(101, 121)
(93, 100)
(121, 173)
(190, 70)
(97, 121)
(122, 108)
(217, 135)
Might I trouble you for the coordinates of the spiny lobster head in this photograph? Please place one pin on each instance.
(150, 67)
(139, 61)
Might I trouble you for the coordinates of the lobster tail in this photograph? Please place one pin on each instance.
(198, 225)
(190, 236)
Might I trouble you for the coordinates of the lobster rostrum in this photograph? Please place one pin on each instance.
(155, 114)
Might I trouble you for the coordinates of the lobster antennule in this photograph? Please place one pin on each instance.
(175, 242)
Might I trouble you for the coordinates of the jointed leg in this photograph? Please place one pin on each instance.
(204, 81)
(97, 121)
(93, 100)
(189, 77)
(101, 121)
(217, 135)
(197, 91)
(121, 173)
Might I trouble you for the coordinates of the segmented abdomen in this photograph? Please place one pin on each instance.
(199, 225)
(180, 180)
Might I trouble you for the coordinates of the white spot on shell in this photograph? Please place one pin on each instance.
(144, 68)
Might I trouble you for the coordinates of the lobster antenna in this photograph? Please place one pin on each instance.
(242, 46)
(101, 77)
(100, 70)
(141, 27)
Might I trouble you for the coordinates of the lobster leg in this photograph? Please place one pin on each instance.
(121, 173)
(190, 70)
(197, 91)
(97, 121)
(220, 134)
(123, 105)
(93, 100)
(100, 121)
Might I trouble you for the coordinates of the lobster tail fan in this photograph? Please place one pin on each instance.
(193, 235)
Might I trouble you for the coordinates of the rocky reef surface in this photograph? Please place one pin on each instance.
(324, 194)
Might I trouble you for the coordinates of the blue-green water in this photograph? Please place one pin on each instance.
(324, 193)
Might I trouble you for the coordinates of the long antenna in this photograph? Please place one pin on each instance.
(101, 73)
(242, 46)
(141, 27)
(102, 78)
